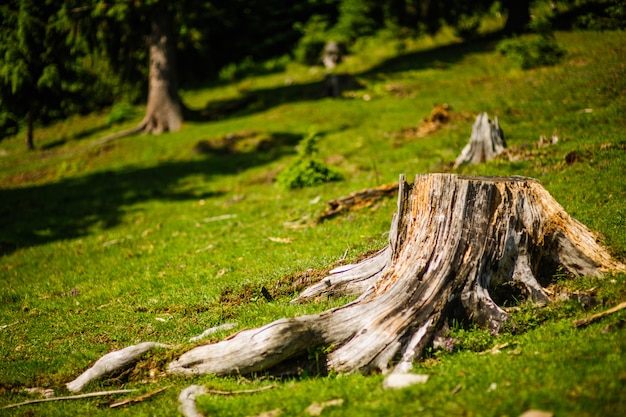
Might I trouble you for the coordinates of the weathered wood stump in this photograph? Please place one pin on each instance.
(453, 242)
(486, 142)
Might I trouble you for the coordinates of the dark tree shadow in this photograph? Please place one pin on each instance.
(258, 100)
(70, 208)
(441, 57)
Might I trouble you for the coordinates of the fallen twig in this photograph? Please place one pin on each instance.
(71, 397)
(358, 200)
(138, 399)
(218, 218)
(208, 332)
(316, 409)
(588, 320)
(4, 326)
(243, 391)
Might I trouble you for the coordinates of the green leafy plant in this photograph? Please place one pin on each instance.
(537, 52)
(534, 53)
(473, 338)
(249, 67)
(307, 170)
(121, 112)
(612, 17)
(314, 37)
(467, 26)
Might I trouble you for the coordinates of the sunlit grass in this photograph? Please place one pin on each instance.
(143, 239)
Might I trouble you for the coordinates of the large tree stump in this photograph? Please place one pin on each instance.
(453, 242)
(486, 142)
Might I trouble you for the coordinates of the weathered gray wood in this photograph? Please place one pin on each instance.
(486, 142)
(453, 240)
(187, 400)
(112, 363)
(347, 280)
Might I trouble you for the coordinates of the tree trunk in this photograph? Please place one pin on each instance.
(164, 109)
(30, 144)
(486, 142)
(453, 243)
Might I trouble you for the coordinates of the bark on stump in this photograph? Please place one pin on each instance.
(486, 142)
(453, 241)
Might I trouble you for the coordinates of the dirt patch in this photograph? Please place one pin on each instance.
(238, 142)
(298, 281)
(439, 116)
(574, 157)
(27, 177)
(246, 142)
(247, 293)
(401, 90)
(266, 177)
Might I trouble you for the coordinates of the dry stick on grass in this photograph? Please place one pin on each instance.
(138, 399)
(208, 332)
(586, 321)
(71, 397)
(243, 391)
(358, 200)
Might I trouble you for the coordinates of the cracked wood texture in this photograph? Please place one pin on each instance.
(453, 242)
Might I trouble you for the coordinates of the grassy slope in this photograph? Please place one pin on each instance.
(102, 242)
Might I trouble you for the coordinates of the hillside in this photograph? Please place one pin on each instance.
(157, 238)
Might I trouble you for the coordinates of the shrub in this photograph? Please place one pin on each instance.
(533, 53)
(121, 112)
(612, 17)
(538, 52)
(307, 171)
(248, 67)
(467, 26)
(314, 37)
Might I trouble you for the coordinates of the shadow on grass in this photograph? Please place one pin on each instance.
(440, 57)
(70, 208)
(258, 100)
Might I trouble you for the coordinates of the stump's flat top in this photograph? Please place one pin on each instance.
(480, 178)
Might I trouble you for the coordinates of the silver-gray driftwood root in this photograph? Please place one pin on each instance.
(112, 363)
(187, 400)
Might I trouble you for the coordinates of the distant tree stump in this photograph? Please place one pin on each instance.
(486, 142)
(453, 242)
(333, 54)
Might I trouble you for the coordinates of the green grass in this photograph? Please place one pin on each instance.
(109, 246)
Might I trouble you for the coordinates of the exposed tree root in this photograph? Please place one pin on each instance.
(112, 363)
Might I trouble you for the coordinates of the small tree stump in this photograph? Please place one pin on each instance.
(486, 142)
(453, 242)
